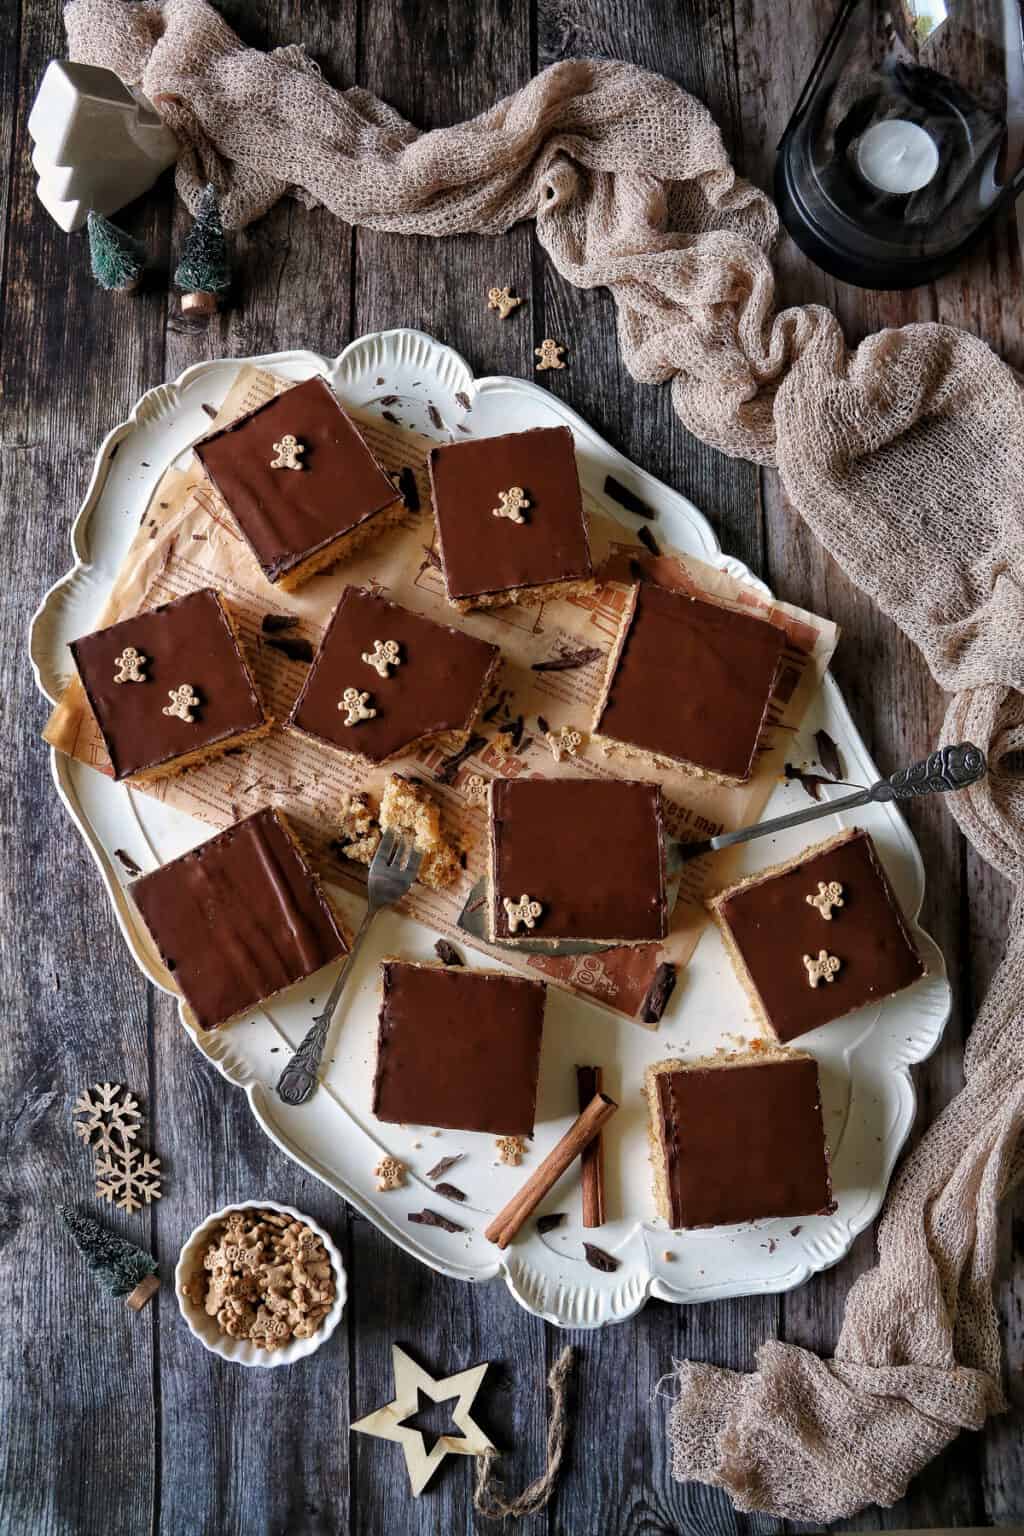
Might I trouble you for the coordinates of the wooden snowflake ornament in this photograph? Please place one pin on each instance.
(388, 1423)
(109, 1111)
(108, 1121)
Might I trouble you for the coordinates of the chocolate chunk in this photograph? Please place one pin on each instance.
(462, 399)
(447, 953)
(434, 1219)
(569, 660)
(450, 765)
(626, 498)
(440, 1169)
(435, 415)
(292, 646)
(828, 754)
(408, 489)
(127, 863)
(211, 410)
(452, 1191)
(275, 623)
(810, 783)
(388, 400)
(658, 993)
(648, 540)
(549, 1223)
(598, 1259)
(390, 416)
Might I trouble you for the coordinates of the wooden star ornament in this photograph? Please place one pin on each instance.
(388, 1423)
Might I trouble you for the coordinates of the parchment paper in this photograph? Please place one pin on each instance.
(187, 539)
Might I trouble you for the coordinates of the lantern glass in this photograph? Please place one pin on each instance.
(907, 138)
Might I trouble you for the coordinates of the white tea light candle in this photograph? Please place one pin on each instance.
(897, 156)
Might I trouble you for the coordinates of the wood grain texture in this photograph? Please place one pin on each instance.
(115, 1423)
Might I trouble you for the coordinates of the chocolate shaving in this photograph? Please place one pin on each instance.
(390, 416)
(461, 427)
(435, 415)
(274, 623)
(433, 558)
(461, 398)
(408, 489)
(494, 710)
(127, 863)
(211, 410)
(569, 660)
(812, 782)
(626, 498)
(648, 540)
(447, 953)
(451, 765)
(379, 379)
(549, 1223)
(828, 754)
(434, 1219)
(440, 1169)
(388, 400)
(515, 733)
(542, 725)
(598, 1259)
(292, 646)
(660, 990)
(451, 1191)
(795, 1231)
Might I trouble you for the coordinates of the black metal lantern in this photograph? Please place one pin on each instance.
(907, 139)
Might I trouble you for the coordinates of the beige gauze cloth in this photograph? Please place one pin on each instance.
(906, 459)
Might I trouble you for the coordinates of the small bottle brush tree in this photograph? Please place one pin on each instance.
(118, 261)
(203, 274)
(121, 1268)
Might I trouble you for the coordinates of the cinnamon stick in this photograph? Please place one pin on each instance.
(588, 1082)
(579, 1135)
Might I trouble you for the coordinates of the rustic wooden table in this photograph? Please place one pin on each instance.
(120, 1424)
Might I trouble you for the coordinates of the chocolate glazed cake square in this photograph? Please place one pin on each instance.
(510, 521)
(133, 674)
(802, 968)
(737, 1138)
(458, 1049)
(587, 853)
(298, 521)
(690, 680)
(239, 918)
(421, 680)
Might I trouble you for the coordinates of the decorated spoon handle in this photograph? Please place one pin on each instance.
(948, 769)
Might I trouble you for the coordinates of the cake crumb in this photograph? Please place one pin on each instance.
(667, 1255)
(409, 807)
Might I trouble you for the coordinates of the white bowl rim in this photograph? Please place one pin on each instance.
(244, 1351)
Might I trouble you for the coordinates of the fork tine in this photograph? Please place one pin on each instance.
(386, 846)
(413, 858)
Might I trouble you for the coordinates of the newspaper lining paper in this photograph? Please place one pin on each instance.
(187, 539)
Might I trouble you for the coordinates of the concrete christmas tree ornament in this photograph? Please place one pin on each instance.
(118, 261)
(121, 1268)
(203, 274)
(97, 144)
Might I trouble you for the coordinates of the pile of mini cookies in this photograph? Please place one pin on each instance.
(264, 1277)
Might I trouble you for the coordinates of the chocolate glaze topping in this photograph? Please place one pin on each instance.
(187, 641)
(437, 686)
(590, 850)
(483, 554)
(774, 927)
(287, 515)
(458, 1049)
(238, 918)
(692, 681)
(743, 1142)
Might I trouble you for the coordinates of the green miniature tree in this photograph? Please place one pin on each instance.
(121, 1268)
(118, 261)
(204, 274)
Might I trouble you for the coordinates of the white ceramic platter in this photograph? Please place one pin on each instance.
(864, 1059)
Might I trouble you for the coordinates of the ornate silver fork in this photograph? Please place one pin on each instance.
(395, 866)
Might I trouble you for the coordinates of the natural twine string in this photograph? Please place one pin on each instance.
(489, 1494)
(903, 457)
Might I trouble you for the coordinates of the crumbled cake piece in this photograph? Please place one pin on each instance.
(358, 828)
(408, 806)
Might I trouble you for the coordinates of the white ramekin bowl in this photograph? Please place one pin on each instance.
(244, 1351)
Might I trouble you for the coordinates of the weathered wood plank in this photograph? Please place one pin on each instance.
(76, 1375)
